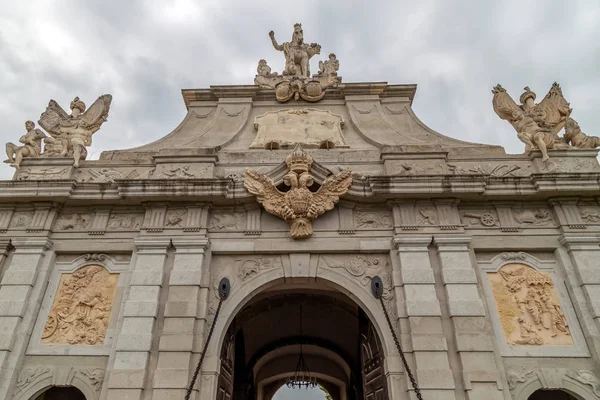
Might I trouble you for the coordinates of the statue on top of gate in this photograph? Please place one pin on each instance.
(296, 80)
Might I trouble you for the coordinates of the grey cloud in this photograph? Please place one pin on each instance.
(145, 52)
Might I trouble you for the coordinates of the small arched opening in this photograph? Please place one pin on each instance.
(60, 393)
(552, 395)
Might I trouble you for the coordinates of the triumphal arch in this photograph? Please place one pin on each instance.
(302, 230)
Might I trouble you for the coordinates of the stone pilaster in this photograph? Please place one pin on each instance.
(21, 290)
(423, 314)
(471, 331)
(184, 310)
(579, 255)
(134, 340)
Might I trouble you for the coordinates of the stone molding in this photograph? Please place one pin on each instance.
(35, 379)
(524, 382)
(579, 348)
(35, 346)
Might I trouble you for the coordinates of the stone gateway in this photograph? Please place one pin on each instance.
(300, 231)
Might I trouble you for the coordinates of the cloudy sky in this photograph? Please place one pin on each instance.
(143, 52)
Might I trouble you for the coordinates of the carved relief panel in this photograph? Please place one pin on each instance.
(82, 307)
(531, 314)
(528, 307)
(78, 310)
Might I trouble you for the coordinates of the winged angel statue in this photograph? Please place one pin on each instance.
(70, 134)
(298, 206)
(537, 125)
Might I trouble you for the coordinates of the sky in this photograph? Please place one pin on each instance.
(144, 52)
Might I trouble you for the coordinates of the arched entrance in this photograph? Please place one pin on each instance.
(552, 395)
(264, 341)
(61, 393)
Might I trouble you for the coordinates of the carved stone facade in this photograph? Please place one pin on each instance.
(487, 262)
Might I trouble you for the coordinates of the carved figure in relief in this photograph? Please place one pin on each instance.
(528, 307)
(541, 216)
(486, 218)
(515, 377)
(297, 53)
(125, 222)
(73, 221)
(249, 268)
(577, 138)
(82, 306)
(175, 218)
(299, 206)
(590, 215)
(179, 172)
(372, 220)
(32, 145)
(587, 378)
(428, 216)
(528, 334)
(71, 134)
(221, 221)
(533, 306)
(363, 269)
(537, 125)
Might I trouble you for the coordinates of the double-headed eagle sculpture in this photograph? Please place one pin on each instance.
(69, 134)
(299, 205)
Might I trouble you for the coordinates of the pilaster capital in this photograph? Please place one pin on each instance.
(32, 243)
(580, 242)
(452, 242)
(413, 243)
(153, 243)
(184, 243)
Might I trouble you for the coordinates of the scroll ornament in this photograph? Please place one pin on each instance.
(298, 206)
(69, 134)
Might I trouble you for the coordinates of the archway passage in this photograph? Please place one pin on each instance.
(551, 395)
(337, 340)
(61, 393)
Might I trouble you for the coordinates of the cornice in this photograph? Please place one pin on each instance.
(216, 93)
(377, 188)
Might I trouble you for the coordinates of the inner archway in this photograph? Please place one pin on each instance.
(333, 334)
(61, 393)
(551, 395)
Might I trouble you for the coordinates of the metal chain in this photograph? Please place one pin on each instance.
(406, 367)
(210, 332)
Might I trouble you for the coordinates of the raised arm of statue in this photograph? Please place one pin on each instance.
(275, 44)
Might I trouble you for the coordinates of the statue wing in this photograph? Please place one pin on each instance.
(332, 189)
(503, 104)
(97, 113)
(555, 109)
(51, 118)
(265, 191)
